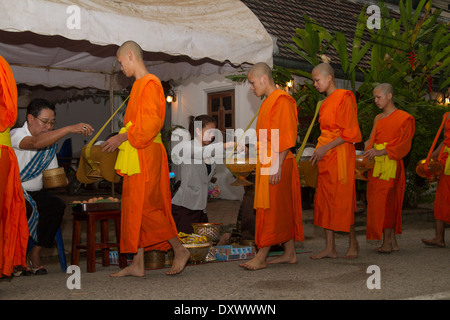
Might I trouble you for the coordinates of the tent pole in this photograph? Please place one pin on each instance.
(111, 93)
(111, 107)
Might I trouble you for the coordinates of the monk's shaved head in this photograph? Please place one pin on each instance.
(323, 78)
(260, 69)
(325, 69)
(386, 88)
(383, 94)
(130, 57)
(261, 80)
(133, 47)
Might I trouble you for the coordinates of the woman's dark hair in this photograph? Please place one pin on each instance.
(36, 105)
(204, 118)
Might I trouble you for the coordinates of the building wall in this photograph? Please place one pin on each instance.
(192, 99)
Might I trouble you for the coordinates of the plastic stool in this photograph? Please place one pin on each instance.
(59, 245)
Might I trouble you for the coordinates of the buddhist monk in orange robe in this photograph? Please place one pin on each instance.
(277, 182)
(389, 143)
(13, 215)
(335, 197)
(442, 196)
(147, 222)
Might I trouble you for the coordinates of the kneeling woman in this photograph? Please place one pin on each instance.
(189, 201)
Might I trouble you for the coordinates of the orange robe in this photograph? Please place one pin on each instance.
(146, 200)
(385, 197)
(13, 216)
(278, 207)
(335, 198)
(442, 197)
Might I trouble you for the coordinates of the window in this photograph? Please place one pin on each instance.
(221, 108)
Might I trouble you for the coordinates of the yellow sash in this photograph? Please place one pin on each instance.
(5, 139)
(447, 163)
(327, 136)
(128, 158)
(384, 167)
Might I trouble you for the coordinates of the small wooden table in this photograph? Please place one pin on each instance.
(92, 212)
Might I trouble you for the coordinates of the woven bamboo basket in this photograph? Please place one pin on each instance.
(210, 230)
(54, 178)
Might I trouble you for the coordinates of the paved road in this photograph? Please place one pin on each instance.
(416, 271)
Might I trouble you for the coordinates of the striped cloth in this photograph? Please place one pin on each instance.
(38, 163)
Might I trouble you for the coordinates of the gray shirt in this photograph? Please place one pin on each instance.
(195, 180)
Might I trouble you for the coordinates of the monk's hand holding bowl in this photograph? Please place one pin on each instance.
(114, 142)
(374, 153)
(318, 154)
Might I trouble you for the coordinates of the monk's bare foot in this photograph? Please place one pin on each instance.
(352, 253)
(394, 243)
(129, 271)
(179, 262)
(254, 264)
(383, 249)
(325, 254)
(285, 258)
(434, 242)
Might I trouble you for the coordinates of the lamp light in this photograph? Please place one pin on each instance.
(171, 97)
(290, 83)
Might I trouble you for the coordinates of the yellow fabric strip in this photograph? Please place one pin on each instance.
(91, 143)
(5, 139)
(158, 138)
(327, 136)
(128, 158)
(447, 163)
(384, 167)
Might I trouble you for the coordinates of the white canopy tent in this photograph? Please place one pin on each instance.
(68, 46)
(72, 44)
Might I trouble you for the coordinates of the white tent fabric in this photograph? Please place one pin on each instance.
(45, 46)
